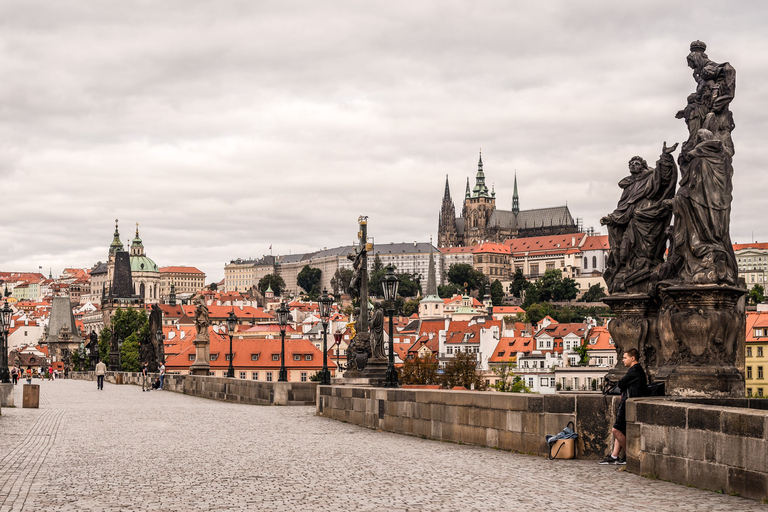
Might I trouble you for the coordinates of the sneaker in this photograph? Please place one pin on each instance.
(622, 461)
(609, 459)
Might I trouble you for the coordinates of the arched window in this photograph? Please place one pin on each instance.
(594, 261)
(585, 262)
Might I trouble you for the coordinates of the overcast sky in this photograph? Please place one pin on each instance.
(225, 127)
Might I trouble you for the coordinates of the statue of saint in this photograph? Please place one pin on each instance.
(377, 333)
(202, 320)
(636, 228)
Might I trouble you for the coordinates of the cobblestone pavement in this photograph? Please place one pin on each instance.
(122, 449)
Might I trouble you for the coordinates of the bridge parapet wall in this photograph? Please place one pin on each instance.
(508, 421)
(716, 444)
(221, 388)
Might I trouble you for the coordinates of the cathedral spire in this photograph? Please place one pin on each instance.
(481, 189)
(468, 193)
(447, 194)
(515, 199)
(431, 278)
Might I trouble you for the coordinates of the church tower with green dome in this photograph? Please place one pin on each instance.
(146, 276)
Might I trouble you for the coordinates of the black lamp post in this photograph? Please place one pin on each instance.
(389, 284)
(231, 323)
(5, 317)
(325, 302)
(283, 315)
(337, 336)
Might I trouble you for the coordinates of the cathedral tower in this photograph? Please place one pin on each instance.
(446, 227)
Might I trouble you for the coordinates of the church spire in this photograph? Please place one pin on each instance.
(481, 189)
(431, 278)
(447, 195)
(515, 199)
(116, 244)
(468, 193)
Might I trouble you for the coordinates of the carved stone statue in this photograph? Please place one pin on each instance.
(377, 333)
(636, 229)
(155, 325)
(202, 318)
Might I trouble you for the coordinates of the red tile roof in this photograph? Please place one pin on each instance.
(599, 339)
(508, 348)
(555, 244)
(754, 245)
(180, 270)
(454, 250)
(490, 247)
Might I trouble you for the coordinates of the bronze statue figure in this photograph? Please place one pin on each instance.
(377, 333)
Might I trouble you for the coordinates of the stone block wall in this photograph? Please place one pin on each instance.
(509, 421)
(715, 444)
(222, 388)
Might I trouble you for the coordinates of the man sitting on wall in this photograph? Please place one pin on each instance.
(632, 385)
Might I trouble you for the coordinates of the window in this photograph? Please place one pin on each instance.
(297, 357)
(303, 376)
(749, 372)
(759, 351)
(585, 263)
(594, 261)
(759, 372)
(552, 382)
(530, 382)
(545, 382)
(749, 391)
(191, 357)
(551, 266)
(269, 376)
(242, 375)
(226, 357)
(254, 375)
(254, 357)
(450, 350)
(749, 351)
(275, 357)
(308, 357)
(759, 391)
(214, 357)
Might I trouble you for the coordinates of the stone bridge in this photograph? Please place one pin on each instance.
(124, 449)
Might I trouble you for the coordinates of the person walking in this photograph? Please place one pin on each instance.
(632, 385)
(144, 375)
(29, 375)
(101, 371)
(50, 373)
(15, 375)
(162, 375)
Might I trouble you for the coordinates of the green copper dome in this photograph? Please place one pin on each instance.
(142, 264)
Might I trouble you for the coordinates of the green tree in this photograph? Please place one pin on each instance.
(461, 370)
(756, 294)
(409, 285)
(583, 354)
(340, 280)
(411, 306)
(551, 287)
(104, 344)
(464, 274)
(497, 293)
(309, 278)
(508, 382)
(273, 281)
(419, 371)
(213, 287)
(519, 283)
(129, 354)
(594, 294)
(377, 273)
(535, 312)
(447, 291)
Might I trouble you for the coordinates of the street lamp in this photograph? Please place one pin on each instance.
(389, 283)
(5, 318)
(325, 302)
(283, 315)
(231, 323)
(337, 336)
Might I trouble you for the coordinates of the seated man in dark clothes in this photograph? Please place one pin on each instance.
(632, 385)
(156, 384)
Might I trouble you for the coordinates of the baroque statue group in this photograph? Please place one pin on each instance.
(671, 270)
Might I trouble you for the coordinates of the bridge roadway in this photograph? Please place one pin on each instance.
(123, 449)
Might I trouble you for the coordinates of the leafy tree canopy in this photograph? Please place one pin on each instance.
(508, 382)
(213, 287)
(461, 370)
(419, 371)
(340, 280)
(308, 278)
(274, 281)
(447, 291)
(497, 293)
(461, 273)
(519, 283)
(551, 287)
(756, 294)
(594, 294)
(411, 306)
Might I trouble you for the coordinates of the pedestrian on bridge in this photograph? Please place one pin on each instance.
(144, 375)
(101, 371)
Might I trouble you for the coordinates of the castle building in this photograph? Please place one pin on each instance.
(481, 221)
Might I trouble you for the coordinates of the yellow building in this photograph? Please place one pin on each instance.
(756, 371)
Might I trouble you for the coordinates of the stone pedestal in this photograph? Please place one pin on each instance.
(114, 360)
(376, 371)
(635, 326)
(702, 330)
(202, 364)
(6, 394)
(31, 396)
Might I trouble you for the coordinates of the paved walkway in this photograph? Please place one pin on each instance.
(121, 449)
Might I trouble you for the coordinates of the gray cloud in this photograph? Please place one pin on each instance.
(225, 127)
